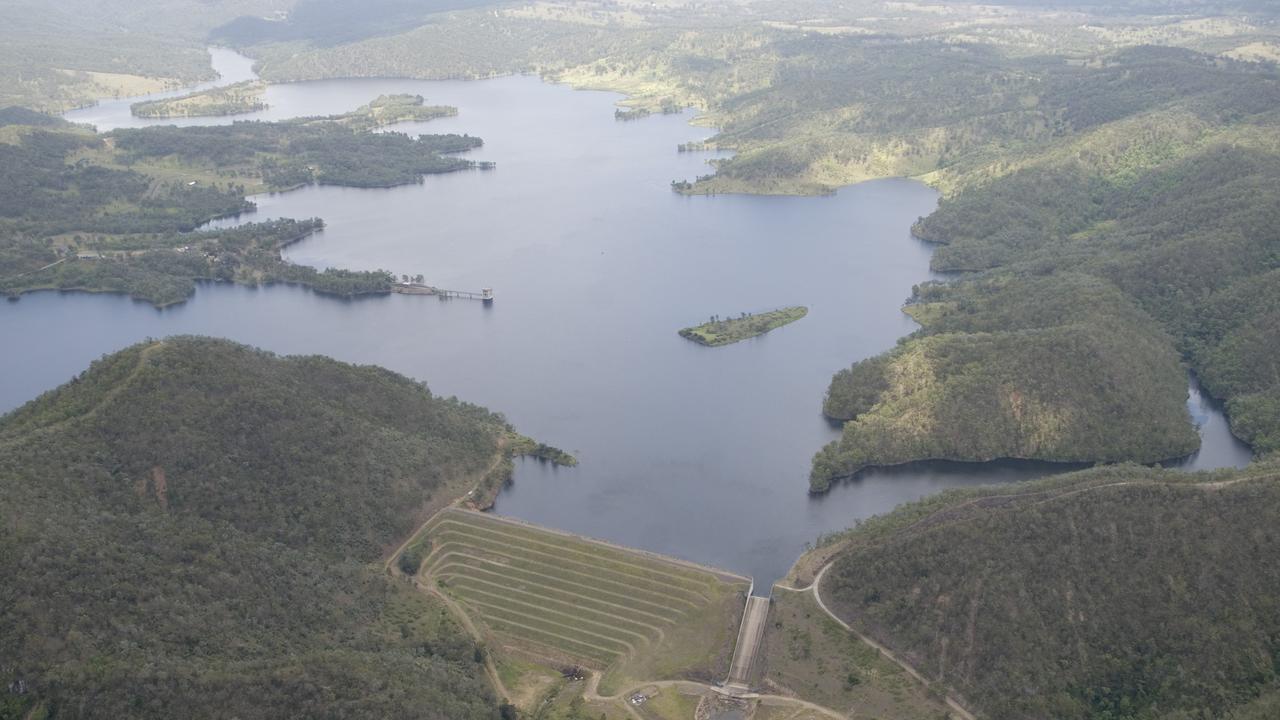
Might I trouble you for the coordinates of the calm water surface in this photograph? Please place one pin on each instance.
(698, 452)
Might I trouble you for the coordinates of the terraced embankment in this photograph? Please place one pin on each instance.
(565, 599)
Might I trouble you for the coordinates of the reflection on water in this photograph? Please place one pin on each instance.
(109, 114)
(1218, 447)
(698, 452)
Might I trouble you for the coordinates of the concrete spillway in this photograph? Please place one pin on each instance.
(749, 635)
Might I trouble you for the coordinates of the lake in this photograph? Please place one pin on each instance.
(698, 452)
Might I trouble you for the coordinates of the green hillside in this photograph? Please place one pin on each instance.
(193, 528)
(1062, 367)
(1192, 240)
(1146, 228)
(68, 53)
(1117, 593)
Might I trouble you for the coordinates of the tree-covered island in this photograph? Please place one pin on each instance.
(726, 331)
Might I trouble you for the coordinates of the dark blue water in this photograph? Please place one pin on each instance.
(698, 452)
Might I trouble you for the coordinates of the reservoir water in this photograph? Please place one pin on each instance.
(698, 452)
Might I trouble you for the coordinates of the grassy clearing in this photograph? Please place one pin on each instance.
(808, 655)
(107, 84)
(671, 704)
(565, 600)
(242, 97)
(731, 330)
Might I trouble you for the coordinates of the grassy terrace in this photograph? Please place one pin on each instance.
(566, 600)
(731, 330)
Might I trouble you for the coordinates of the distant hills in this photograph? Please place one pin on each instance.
(334, 22)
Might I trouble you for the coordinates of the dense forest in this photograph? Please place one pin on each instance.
(163, 268)
(191, 528)
(1148, 227)
(1059, 367)
(1122, 593)
(298, 152)
(45, 190)
(1193, 241)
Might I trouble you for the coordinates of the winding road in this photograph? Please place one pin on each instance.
(812, 588)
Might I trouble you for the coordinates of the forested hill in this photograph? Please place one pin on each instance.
(1147, 228)
(330, 22)
(194, 528)
(1122, 593)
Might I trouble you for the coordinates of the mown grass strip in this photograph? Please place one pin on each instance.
(585, 576)
(479, 535)
(606, 627)
(584, 546)
(594, 572)
(467, 586)
(557, 643)
(597, 554)
(482, 575)
(563, 585)
(578, 634)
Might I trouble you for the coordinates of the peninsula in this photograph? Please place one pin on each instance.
(236, 99)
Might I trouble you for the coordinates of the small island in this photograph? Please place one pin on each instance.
(386, 110)
(725, 331)
(237, 99)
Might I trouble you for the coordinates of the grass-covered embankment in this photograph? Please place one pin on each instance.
(1115, 592)
(566, 600)
(727, 331)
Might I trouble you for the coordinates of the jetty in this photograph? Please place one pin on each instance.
(415, 288)
(485, 294)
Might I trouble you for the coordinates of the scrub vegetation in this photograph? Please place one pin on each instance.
(192, 528)
(1121, 592)
(727, 331)
(807, 654)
